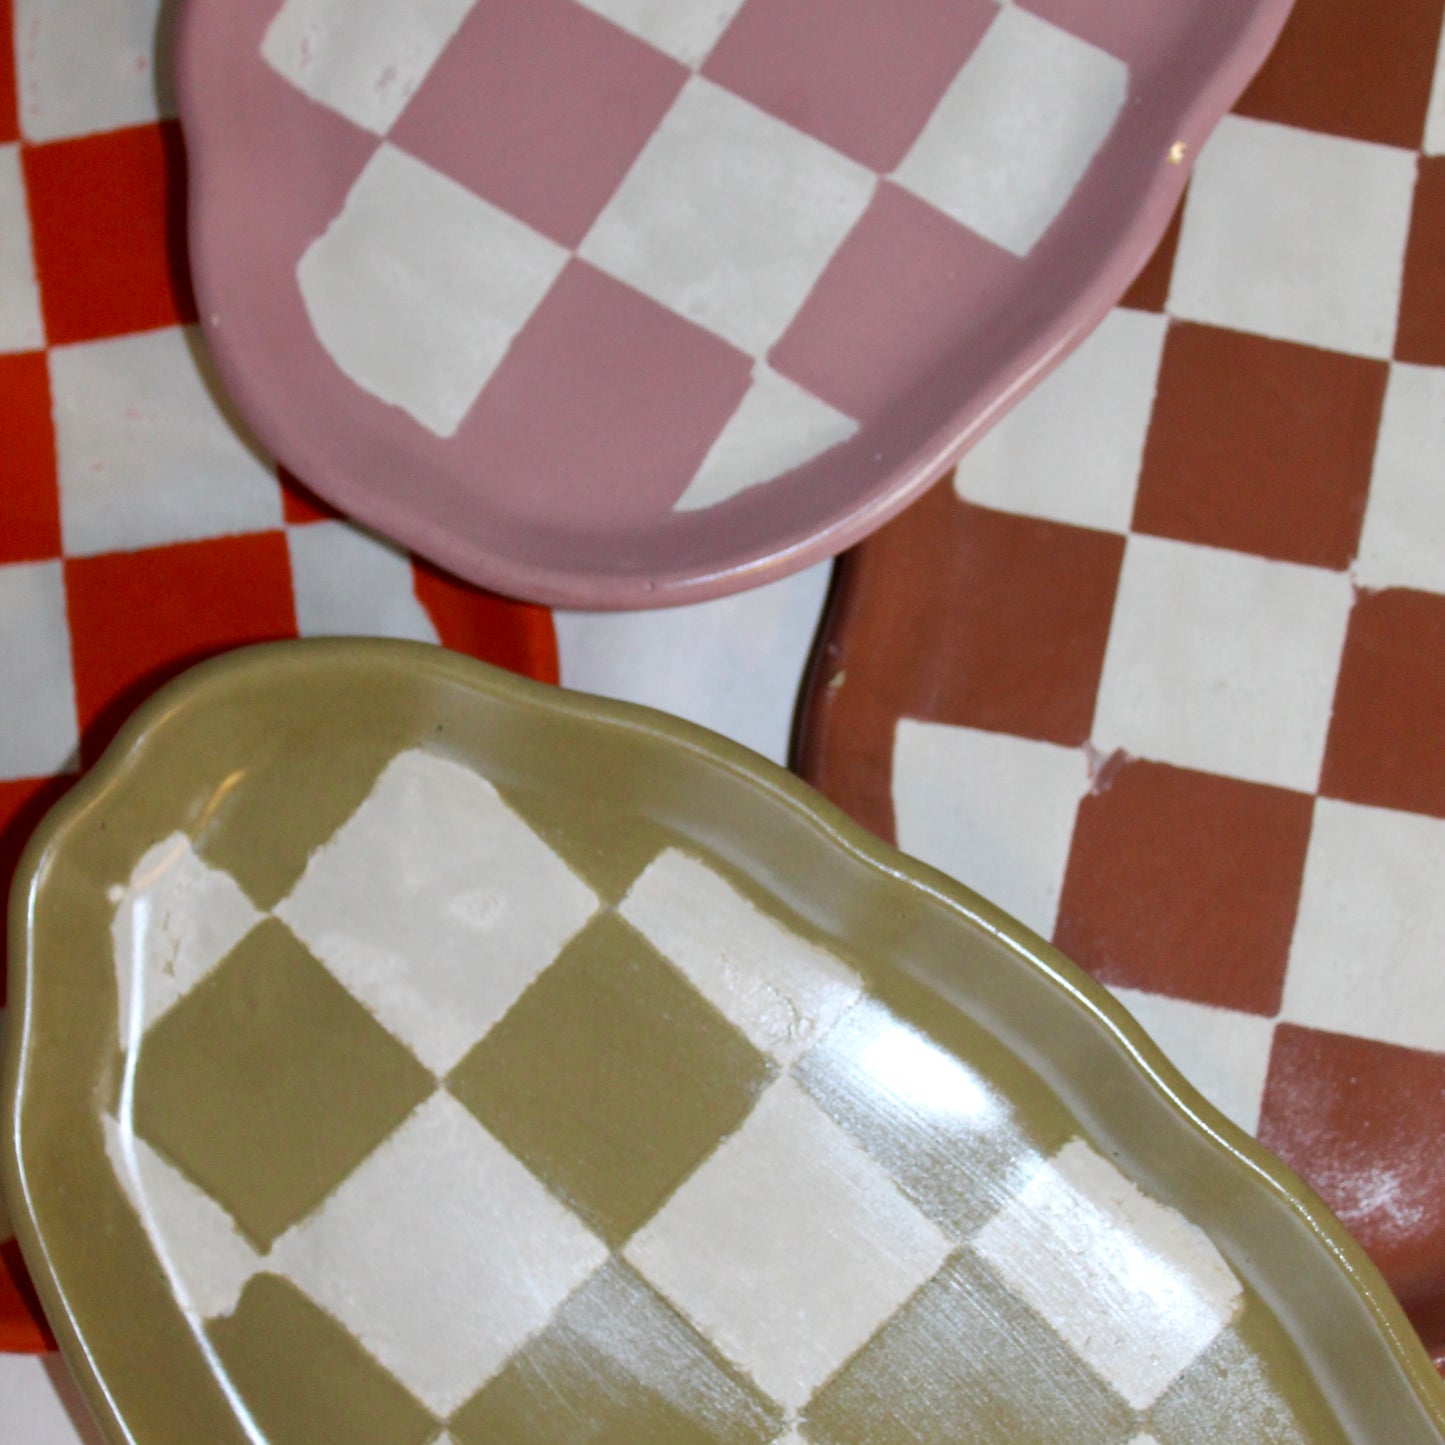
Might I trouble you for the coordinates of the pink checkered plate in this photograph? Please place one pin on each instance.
(404, 1051)
(623, 303)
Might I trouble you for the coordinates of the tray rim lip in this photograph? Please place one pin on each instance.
(597, 587)
(745, 769)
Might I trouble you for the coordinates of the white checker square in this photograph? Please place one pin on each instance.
(436, 906)
(778, 427)
(1296, 235)
(1072, 450)
(783, 992)
(40, 1404)
(89, 65)
(176, 919)
(1222, 662)
(362, 58)
(1365, 959)
(729, 216)
(418, 288)
(687, 30)
(1132, 1287)
(38, 730)
(1435, 119)
(1402, 543)
(994, 811)
(1017, 129)
(21, 328)
(789, 1248)
(348, 583)
(148, 452)
(1224, 1053)
(441, 1254)
(206, 1260)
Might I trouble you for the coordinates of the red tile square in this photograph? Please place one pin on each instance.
(1351, 69)
(29, 492)
(1260, 446)
(299, 504)
(1385, 745)
(1023, 608)
(23, 1330)
(108, 214)
(1421, 334)
(864, 76)
(9, 103)
(647, 395)
(904, 286)
(1186, 884)
(541, 109)
(139, 618)
(1150, 289)
(516, 635)
(23, 804)
(1363, 1123)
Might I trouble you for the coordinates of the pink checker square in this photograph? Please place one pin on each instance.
(903, 288)
(1116, 27)
(541, 109)
(864, 76)
(647, 395)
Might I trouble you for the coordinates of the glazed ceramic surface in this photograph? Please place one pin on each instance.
(617, 303)
(422, 1055)
(141, 525)
(1160, 668)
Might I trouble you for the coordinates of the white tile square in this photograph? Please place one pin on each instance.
(148, 450)
(1222, 1052)
(778, 426)
(1072, 450)
(348, 583)
(1402, 543)
(39, 734)
(789, 1248)
(176, 918)
(90, 65)
(729, 216)
(1131, 1286)
(1365, 959)
(1296, 235)
(783, 992)
(40, 1404)
(436, 905)
(441, 1254)
(418, 288)
(1435, 118)
(21, 327)
(1017, 129)
(362, 58)
(1223, 662)
(685, 29)
(994, 811)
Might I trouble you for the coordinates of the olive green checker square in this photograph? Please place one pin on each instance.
(304, 1380)
(617, 1366)
(268, 1084)
(966, 1360)
(611, 1078)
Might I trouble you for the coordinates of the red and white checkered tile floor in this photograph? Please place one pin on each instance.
(1181, 706)
(140, 529)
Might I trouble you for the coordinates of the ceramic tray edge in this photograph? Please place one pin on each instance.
(751, 771)
(596, 590)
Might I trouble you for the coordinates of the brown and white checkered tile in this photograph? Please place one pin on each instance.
(1162, 668)
(673, 1170)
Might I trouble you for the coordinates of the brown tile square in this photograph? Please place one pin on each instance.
(1019, 613)
(1363, 1123)
(1150, 289)
(1421, 334)
(1260, 446)
(1351, 69)
(1387, 738)
(1185, 884)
